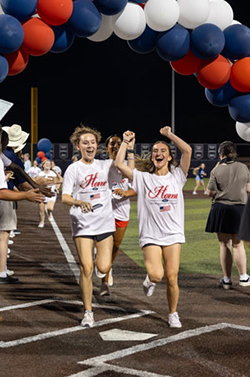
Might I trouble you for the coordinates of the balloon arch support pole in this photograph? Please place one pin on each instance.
(173, 101)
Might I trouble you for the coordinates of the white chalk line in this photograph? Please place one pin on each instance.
(98, 364)
(52, 334)
(66, 250)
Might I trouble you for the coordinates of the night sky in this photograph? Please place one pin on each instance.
(110, 87)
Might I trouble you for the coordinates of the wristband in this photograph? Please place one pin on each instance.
(125, 141)
(130, 151)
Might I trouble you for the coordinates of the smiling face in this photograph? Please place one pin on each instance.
(87, 147)
(161, 156)
(113, 146)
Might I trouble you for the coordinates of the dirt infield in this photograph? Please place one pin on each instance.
(40, 335)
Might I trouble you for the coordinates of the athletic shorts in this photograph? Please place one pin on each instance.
(8, 219)
(121, 224)
(99, 237)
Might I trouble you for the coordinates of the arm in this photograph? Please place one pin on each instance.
(186, 150)
(29, 181)
(31, 195)
(210, 193)
(126, 170)
(248, 187)
(70, 201)
(125, 194)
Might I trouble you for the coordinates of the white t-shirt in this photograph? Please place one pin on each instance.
(3, 182)
(6, 161)
(33, 171)
(160, 207)
(52, 187)
(90, 183)
(121, 206)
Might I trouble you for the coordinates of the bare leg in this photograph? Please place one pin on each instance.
(226, 259)
(4, 237)
(171, 257)
(240, 257)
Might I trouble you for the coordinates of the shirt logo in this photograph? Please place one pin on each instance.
(161, 192)
(165, 208)
(91, 180)
(95, 196)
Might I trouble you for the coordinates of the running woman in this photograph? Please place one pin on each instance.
(48, 173)
(121, 192)
(86, 190)
(160, 207)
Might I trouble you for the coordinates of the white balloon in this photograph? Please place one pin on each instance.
(130, 23)
(193, 12)
(1, 10)
(220, 14)
(105, 30)
(161, 15)
(243, 130)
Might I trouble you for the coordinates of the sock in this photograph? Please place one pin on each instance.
(227, 279)
(3, 274)
(244, 276)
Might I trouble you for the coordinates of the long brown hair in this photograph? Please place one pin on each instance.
(145, 163)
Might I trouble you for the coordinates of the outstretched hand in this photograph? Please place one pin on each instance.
(166, 131)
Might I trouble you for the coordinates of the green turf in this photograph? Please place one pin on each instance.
(200, 253)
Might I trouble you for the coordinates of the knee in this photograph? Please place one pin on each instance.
(155, 276)
(87, 271)
(104, 267)
(172, 279)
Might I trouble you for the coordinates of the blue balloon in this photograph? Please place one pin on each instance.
(173, 44)
(237, 42)
(85, 19)
(11, 34)
(44, 145)
(4, 68)
(38, 160)
(110, 7)
(207, 41)
(239, 108)
(48, 155)
(145, 43)
(20, 9)
(64, 38)
(222, 96)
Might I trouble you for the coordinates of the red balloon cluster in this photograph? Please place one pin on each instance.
(240, 75)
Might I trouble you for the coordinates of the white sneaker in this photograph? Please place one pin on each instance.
(245, 283)
(205, 192)
(148, 287)
(12, 234)
(10, 272)
(41, 225)
(195, 193)
(10, 242)
(99, 274)
(88, 319)
(50, 217)
(104, 291)
(174, 321)
(111, 280)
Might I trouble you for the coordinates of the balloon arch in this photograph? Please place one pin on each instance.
(196, 37)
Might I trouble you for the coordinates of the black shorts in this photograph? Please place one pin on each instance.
(224, 218)
(99, 237)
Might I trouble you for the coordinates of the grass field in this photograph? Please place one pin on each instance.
(200, 253)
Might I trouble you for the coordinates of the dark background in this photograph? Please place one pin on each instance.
(110, 87)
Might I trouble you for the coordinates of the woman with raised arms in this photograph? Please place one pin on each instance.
(160, 205)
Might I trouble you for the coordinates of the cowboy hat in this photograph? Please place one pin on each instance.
(18, 149)
(16, 135)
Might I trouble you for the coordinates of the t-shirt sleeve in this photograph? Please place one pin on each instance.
(69, 180)
(180, 175)
(6, 161)
(136, 179)
(212, 182)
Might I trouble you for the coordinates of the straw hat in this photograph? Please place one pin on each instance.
(17, 136)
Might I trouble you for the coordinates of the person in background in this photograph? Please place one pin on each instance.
(56, 168)
(121, 191)
(34, 170)
(26, 161)
(8, 216)
(160, 208)
(49, 202)
(228, 186)
(74, 158)
(200, 174)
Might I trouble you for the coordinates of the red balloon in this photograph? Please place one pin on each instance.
(188, 65)
(240, 75)
(214, 73)
(41, 155)
(38, 37)
(55, 12)
(44, 159)
(18, 61)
